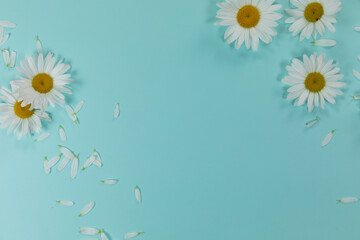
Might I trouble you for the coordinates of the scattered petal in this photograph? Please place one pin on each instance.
(103, 236)
(137, 194)
(38, 45)
(6, 57)
(70, 113)
(89, 231)
(348, 200)
(7, 24)
(327, 139)
(356, 97)
(88, 162)
(325, 42)
(78, 107)
(63, 163)
(97, 161)
(62, 134)
(66, 203)
(116, 111)
(42, 137)
(67, 153)
(46, 166)
(357, 29)
(12, 59)
(356, 74)
(87, 209)
(132, 234)
(74, 167)
(110, 181)
(54, 160)
(312, 122)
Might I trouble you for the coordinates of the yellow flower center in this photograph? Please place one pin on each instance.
(23, 112)
(248, 16)
(315, 82)
(42, 83)
(313, 12)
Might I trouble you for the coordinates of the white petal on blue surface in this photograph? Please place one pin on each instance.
(67, 152)
(116, 111)
(62, 134)
(87, 209)
(54, 160)
(132, 234)
(12, 59)
(348, 200)
(110, 181)
(63, 163)
(7, 24)
(66, 203)
(312, 122)
(42, 137)
(88, 162)
(78, 107)
(74, 167)
(46, 166)
(356, 74)
(6, 57)
(89, 231)
(137, 194)
(328, 138)
(325, 42)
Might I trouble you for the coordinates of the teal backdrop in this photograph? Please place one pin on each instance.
(204, 130)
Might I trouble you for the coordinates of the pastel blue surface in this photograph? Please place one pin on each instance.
(204, 130)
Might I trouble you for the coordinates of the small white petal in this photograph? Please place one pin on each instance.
(66, 203)
(42, 137)
(63, 163)
(357, 29)
(46, 166)
(38, 45)
(356, 97)
(74, 167)
(325, 42)
(356, 74)
(117, 111)
(6, 57)
(97, 161)
(110, 181)
(12, 59)
(7, 24)
(54, 160)
(87, 209)
(312, 122)
(137, 194)
(70, 112)
(88, 162)
(328, 138)
(62, 134)
(67, 153)
(348, 200)
(78, 107)
(89, 231)
(132, 234)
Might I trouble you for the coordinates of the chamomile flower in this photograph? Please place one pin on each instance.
(248, 21)
(43, 82)
(312, 16)
(20, 119)
(313, 81)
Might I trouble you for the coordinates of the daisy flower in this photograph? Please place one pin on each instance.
(42, 82)
(313, 81)
(21, 120)
(248, 21)
(312, 16)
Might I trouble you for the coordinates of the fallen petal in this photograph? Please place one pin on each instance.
(116, 111)
(312, 122)
(42, 137)
(63, 163)
(137, 194)
(89, 231)
(325, 42)
(327, 139)
(67, 153)
(66, 203)
(348, 200)
(87, 209)
(74, 167)
(7, 24)
(132, 234)
(110, 181)
(62, 134)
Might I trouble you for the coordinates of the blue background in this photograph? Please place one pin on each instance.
(205, 130)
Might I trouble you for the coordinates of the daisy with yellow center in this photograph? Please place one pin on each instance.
(312, 16)
(248, 21)
(313, 81)
(42, 82)
(23, 120)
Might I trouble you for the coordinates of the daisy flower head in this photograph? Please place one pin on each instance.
(312, 16)
(42, 81)
(22, 120)
(313, 81)
(248, 21)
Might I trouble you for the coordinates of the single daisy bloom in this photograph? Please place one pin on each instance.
(42, 82)
(313, 81)
(21, 119)
(312, 16)
(248, 21)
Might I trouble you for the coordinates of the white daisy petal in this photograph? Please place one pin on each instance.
(312, 122)
(132, 234)
(63, 163)
(116, 111)
(89, 162)
(6, 57)
(325, 42)
(54, 160)
(348, 200)
(97, 161)
(38, 45)
(70, 112)
(62, 133)
(66, 203)
(12, 59)
(110, 181)
(78, 107)
(357, 29)
(103, 236)
(46, 166)
(7, 24)
(67, 152)
(89, 231)
(328, 138)
(74, 167)
(137, 194)
(87, 209)
(356, 74)
(42, 137)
